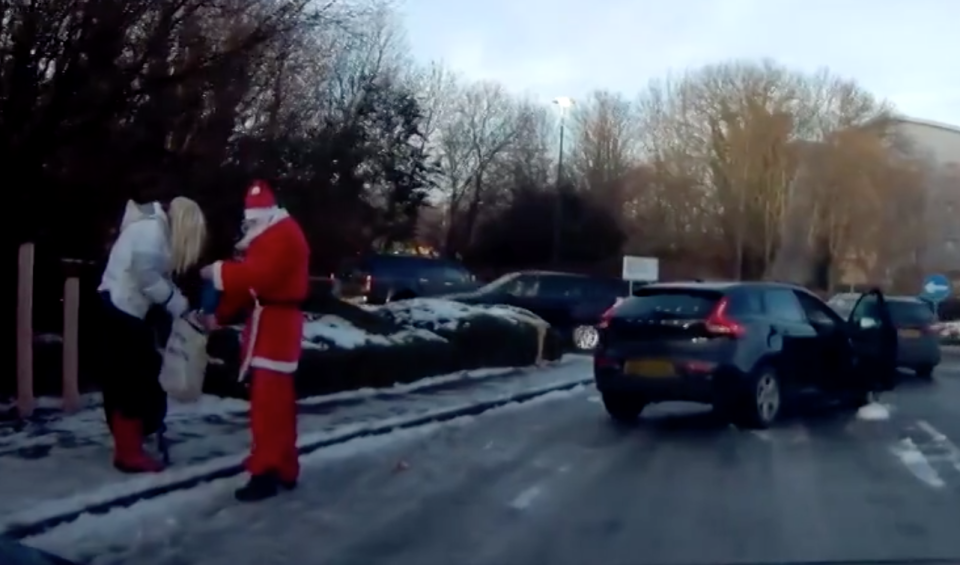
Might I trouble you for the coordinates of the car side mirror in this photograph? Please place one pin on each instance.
(867, 323)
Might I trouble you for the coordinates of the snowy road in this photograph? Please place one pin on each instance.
(552, 482)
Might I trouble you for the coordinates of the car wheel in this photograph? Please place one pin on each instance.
(585, 338)
(622, 408)
(924, 371)
(762, 401)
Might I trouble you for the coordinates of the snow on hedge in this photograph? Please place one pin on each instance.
(438, 314)
(420, 318)
(327, 331)
(950, 329)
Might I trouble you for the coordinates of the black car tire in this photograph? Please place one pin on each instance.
(761, 400)
(623, 408)
(924, 371)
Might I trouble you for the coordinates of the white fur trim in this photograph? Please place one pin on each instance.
(217, 269)
(261, 225)
(274, 365)
(251, 338)
(259, 213)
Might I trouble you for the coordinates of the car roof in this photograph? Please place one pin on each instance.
(399, 257)
(907, 298)
(723, 286)
(545, 273)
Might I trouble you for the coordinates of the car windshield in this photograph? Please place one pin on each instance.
(499, 284)
(843, 303)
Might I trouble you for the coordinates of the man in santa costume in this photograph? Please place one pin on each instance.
(269, 283)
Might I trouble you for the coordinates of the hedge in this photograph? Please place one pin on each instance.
(348, 347)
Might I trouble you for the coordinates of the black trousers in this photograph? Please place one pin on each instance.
(129, 365)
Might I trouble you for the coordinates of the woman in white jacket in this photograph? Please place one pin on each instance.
(154, 244)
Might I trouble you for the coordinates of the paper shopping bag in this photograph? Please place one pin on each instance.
(184, 362)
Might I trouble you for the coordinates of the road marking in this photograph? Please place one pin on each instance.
(934, 433)
(916, 462)
(523, 500)
(950, 451)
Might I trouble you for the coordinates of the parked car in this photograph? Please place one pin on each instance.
(571, 303)
(918, 341)
(377, 279)
(746, 348)
(918, 335)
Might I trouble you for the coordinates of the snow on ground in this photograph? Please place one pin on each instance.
(33, 458)
(156, 519)
(438, 314)
(874, 411)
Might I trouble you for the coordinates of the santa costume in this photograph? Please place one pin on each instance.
(270, 283)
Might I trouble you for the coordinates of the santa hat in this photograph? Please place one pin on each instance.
(259, 200)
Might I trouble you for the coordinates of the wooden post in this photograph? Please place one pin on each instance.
(25, 400)
(71, 337)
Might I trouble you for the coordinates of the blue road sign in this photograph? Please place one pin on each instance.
(936, 288)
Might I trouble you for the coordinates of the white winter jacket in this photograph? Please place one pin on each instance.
(139, 267)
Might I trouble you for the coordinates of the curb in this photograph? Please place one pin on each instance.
(31, 523)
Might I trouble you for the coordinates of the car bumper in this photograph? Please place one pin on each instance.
(707, 388)
(918, 353)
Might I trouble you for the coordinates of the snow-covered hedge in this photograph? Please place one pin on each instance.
(350, 347)
(949, 332)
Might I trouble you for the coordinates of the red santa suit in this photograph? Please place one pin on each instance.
(271, 282)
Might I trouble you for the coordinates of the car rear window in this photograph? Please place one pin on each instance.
(669, 304)
(910, 313)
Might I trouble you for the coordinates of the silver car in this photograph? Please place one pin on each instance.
(918, 343)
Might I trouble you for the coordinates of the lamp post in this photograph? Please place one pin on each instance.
(564, 103)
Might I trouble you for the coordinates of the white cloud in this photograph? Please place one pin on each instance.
(905, 51)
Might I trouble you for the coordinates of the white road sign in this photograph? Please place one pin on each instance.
(641, 269)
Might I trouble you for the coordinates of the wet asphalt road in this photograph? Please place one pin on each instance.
(554, 483)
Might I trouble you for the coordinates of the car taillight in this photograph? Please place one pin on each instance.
(367, 283)
(605, 317)
(719, 323)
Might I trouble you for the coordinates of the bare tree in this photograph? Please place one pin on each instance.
(604, 143)
(737, 129)
(482, 125)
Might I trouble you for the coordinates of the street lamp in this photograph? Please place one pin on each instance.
(564, 103)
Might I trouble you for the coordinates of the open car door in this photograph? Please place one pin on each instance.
(873, 338)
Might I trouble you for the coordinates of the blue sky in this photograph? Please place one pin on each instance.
(907, 51)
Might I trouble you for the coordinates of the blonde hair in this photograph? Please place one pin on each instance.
(188, 233)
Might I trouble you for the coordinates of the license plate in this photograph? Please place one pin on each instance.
(649, 368)
(910, 333)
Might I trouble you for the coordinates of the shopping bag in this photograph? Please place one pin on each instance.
(184, 362)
